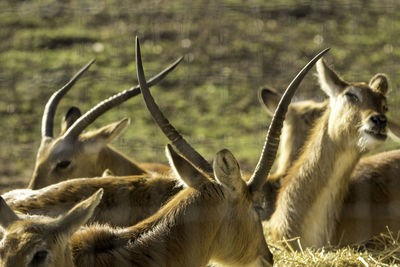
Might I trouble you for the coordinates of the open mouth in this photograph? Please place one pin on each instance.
(378, 136)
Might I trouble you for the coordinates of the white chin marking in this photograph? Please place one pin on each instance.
(368, 141)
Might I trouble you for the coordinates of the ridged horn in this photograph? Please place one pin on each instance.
(90, 116)
(52, 103)
(171, 133)
(271, 144)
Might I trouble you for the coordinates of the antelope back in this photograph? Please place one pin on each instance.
(126, 201)
(372, 203)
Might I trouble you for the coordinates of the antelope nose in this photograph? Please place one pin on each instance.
(379, 120)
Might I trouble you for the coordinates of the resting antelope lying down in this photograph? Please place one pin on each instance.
(76, 154)
(214, 218)
(371, 200)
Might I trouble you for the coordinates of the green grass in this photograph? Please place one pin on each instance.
(231, 49)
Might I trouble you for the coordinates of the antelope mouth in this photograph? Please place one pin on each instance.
(376, 135)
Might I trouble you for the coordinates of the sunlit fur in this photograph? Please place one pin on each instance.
(372, 202)
(126, 201)
(212, 222)
(312, 192)
(88, 155)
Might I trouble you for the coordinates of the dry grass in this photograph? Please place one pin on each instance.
(383, 250)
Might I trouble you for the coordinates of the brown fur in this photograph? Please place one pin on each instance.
(371, 204)
(126, 200)
(86, 156)
(312, 192)
(213, 221)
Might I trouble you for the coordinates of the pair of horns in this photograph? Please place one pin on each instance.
(272, 140)
(86, 119)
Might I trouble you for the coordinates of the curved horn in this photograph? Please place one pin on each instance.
(271, 144)
(90, 116)
(172, 134)
(52, 103)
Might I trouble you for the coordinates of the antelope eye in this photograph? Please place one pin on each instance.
(39, 258)
(352, 97)
(63, 164)
(385, 109)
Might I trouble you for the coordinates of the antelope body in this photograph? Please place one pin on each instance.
(371, 205)
(310, 199)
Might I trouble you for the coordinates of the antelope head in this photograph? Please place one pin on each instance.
(357, 109)
(77, 154)
(33, 240)
(300, 119)
(226, 210)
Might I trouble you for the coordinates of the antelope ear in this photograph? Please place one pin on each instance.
(379, 83)
(107, 173)
(227, 171)
(70, 117)
(95, 140)
(329, 81)
(7, 215)
(188, 174)
(77, 216)
(269, 98)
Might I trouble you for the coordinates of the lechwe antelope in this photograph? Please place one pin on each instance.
(312, 192)
(371, 204)
(76, 154)
(214, 218)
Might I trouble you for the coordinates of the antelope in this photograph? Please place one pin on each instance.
(312, 192)
(213, 219)
(76, 154)
(370, 205)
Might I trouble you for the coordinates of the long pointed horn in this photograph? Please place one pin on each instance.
(90, 116)
(52, 103)
(272, 141)
(172, 134)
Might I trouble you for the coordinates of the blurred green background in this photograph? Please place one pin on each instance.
(231, 49)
